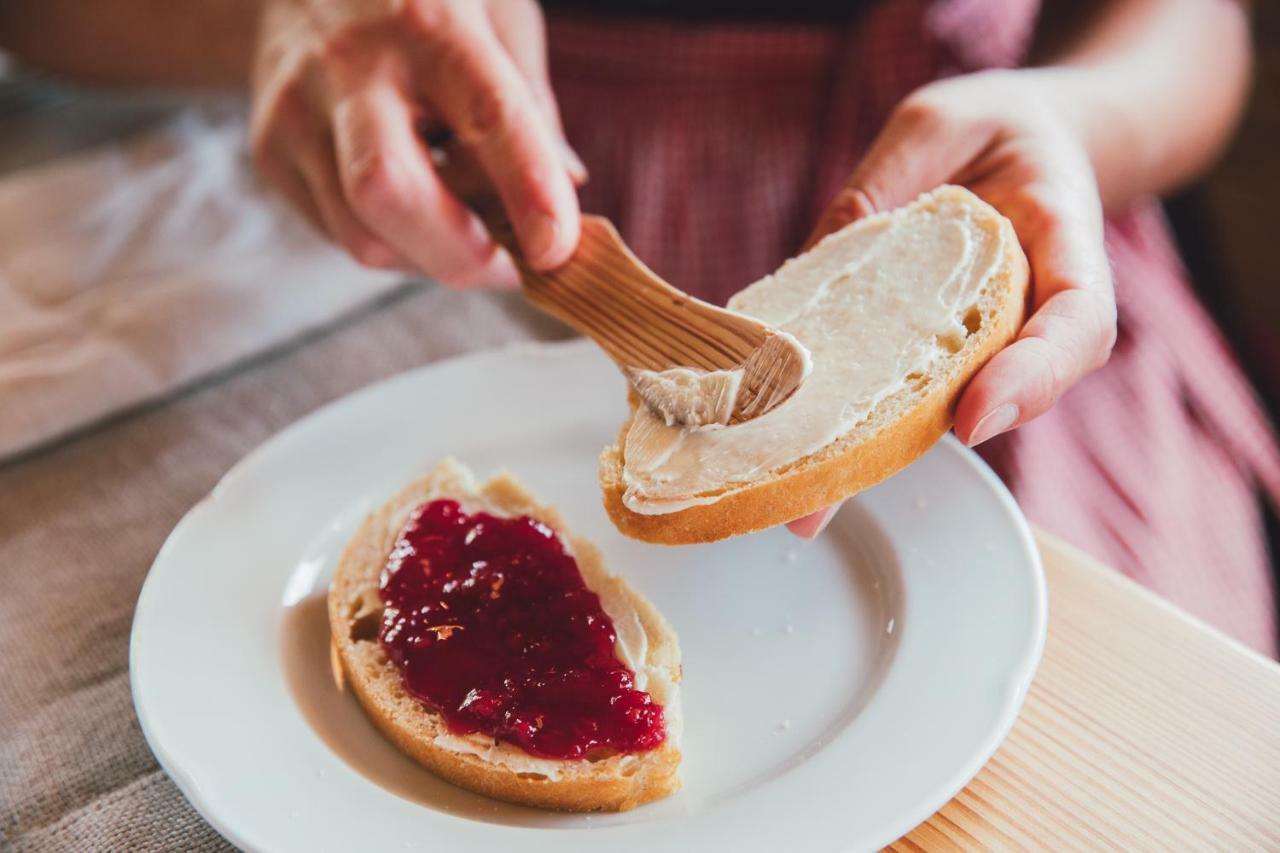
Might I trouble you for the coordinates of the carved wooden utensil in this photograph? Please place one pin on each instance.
(643, 323)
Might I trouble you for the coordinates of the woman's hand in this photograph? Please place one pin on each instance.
(998, 134)
(342, 90)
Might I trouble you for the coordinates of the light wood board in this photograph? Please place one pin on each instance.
(1143, 730)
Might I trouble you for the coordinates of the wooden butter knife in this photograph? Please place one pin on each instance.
(650, 329)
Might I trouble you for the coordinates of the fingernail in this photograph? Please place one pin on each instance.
(542, 232)
(573, 163)
(820, 525)
(826, 519)
(505, 276)
(993, 423)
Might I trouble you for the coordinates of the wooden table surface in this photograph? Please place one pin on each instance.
(1143, 730)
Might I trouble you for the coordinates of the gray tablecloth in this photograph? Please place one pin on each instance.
(80, 523)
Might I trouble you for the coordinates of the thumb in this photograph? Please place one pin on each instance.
(920, 147)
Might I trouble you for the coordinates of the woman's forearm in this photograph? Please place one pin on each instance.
(1155, 88)
(150, 42)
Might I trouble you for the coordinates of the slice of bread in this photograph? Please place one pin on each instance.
(898, 429)
(646, 643)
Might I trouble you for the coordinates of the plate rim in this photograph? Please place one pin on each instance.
(944, 791)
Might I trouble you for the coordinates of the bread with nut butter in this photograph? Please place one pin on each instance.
(898, 311)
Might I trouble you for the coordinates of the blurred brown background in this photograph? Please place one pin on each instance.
(1227, 224)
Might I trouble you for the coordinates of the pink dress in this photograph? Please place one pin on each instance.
(715, 148)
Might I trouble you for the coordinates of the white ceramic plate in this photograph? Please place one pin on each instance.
(836, 692)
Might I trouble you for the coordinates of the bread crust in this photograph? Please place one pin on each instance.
(845, 466)
(616, 783)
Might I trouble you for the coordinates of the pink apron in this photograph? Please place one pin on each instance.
(715, 147)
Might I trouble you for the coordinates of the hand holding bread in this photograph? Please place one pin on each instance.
(1010, 138)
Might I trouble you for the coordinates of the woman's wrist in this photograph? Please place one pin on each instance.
(1153, 91)
(1117, 143)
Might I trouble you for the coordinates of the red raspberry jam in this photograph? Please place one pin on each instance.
(490, 624)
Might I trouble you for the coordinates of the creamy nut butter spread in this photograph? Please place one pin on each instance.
(705, 399)
(694, 398)
(875, 303)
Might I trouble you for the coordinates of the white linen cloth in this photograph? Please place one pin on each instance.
(129, 271)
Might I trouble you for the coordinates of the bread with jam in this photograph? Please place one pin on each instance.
(494, 648)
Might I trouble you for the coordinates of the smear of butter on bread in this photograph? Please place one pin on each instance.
(898, 311)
